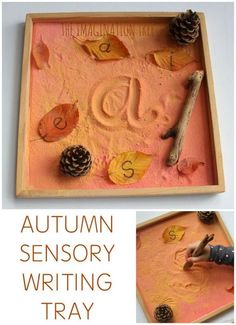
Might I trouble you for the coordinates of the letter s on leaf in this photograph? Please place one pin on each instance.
(128, 167)
(173, 234)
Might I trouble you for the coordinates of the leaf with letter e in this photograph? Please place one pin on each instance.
(173, 234)
(59, 122)
(106, 47)
(129, 167)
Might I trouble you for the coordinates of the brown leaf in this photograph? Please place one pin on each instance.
(173, 234)
(230, 289)
(188, 166)
(129, 167)
(107, 47)
(173, 59)
(138, 241)
(40, 54)
(59, 122)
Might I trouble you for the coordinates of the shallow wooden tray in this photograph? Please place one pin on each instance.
(23, 188)
(150, 231)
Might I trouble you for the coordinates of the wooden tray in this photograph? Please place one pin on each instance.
(37, 161)
(195, 295)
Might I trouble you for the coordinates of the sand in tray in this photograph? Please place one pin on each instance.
(124, 105)
(160, 277)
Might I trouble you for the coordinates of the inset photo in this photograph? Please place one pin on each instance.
(185, 267)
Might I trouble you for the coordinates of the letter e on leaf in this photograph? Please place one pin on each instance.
(129, 167)
(59, 122)
(173, 234)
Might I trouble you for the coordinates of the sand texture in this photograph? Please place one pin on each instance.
(160, 277)
(124, 105)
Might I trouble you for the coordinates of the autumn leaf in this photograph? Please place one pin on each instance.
(128, 167)
(230, 289)
(173, 234)
(59, 122)
(173, 59)
(40, 54)
(138, 241)
(188, 166)
(107, 47)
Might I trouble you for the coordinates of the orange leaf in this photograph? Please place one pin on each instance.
(138, 241)
(230, 289)
(173, 58)
(40, 54)
(59, 122)
(173, 234)
(107, 47)
(188, 166)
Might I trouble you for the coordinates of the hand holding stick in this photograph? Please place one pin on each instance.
(199, 250)
(179, 130)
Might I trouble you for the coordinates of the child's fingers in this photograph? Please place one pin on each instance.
(190, 249)
(195, 259)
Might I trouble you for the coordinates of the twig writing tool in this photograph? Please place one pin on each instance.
(199, 250)
(179, 130)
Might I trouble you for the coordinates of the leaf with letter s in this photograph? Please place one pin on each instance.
(106, 47)
(173, 234)
(40, 53)
(59, 122)
(173, 59)
(129, 167)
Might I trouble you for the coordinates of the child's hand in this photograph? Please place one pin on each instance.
(203, 257)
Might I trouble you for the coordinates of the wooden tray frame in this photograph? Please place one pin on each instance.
(170, 215)
(23, 190)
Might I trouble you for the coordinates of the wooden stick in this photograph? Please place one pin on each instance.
(179, 130)
(199, 250)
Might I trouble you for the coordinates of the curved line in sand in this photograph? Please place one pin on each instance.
(188, 284)
(112, 112)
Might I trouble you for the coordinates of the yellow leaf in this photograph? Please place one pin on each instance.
(128, 167)
(107, 47)
(173, 58)
(173, 234)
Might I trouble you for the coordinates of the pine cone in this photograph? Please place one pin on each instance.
(163, 313)
(75, 161)
(207, 217)
(184, 28)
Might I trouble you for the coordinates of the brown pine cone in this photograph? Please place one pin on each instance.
(184, 28)
(75, 161)
(207, 217)
(163, 313)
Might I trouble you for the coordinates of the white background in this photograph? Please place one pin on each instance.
(228, 218)
(18, 306)
(219, 19)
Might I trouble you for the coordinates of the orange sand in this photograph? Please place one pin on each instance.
(142, 100)
(160, 277)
